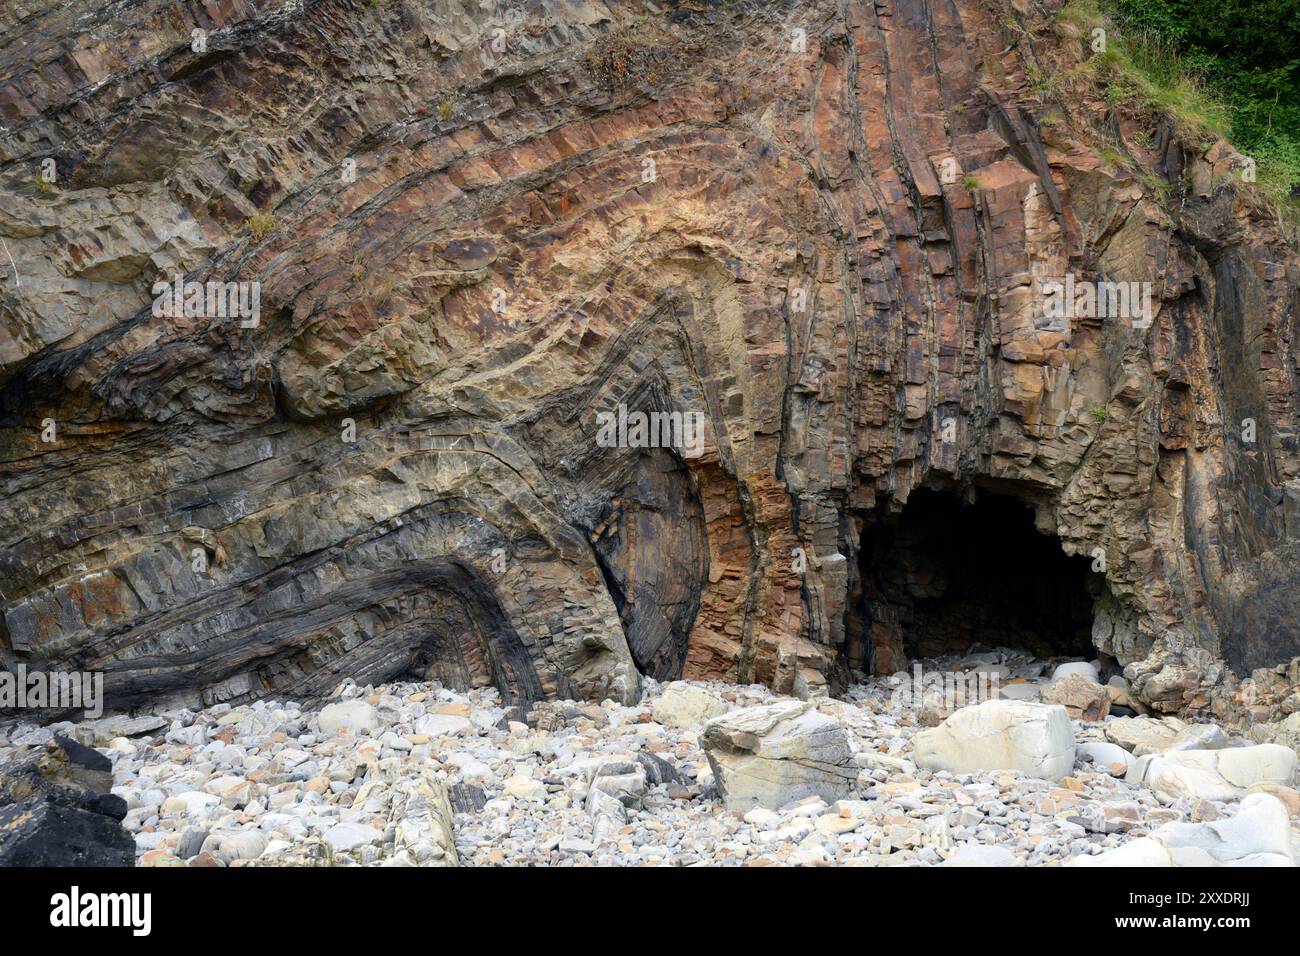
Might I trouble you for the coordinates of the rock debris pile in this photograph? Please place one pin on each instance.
(695, 773)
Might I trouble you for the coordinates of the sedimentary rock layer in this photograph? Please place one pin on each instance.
(821, 227)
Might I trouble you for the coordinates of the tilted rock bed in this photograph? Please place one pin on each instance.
(386, 775)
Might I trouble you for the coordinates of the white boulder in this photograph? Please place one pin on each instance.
(1082, 668)
(1141, 852)
(976, 854)
(442, 725)
(684, 705)
(349, 715)
(1000, 735)
(776, 754)
(1112, 758)
(1259, 835)
(1222, 775)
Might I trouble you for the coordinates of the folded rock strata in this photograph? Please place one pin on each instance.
(817, 226)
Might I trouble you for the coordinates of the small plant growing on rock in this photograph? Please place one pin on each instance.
(971, 182)
(637, 51)
(1099, 413)
(1157, 185)
(385, 291)
(44, 186)
(260, 224)
(1113, 156)
(445, 108)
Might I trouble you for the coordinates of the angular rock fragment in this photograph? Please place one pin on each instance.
(772, 755)
(1082, 697)
(625, 781)
(657, 770)
(56, 810)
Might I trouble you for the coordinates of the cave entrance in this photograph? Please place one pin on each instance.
(942, 576)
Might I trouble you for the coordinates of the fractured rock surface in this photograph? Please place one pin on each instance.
(468, 252)
(771, 756)
(56, 810)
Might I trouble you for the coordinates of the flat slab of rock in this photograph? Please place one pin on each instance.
(1000, 735)
(776, 754)
(102, 732)
(685, 705)
(1143, 735)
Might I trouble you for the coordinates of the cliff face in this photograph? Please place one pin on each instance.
(824, 228)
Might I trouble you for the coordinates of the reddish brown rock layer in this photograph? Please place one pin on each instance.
(474, 232)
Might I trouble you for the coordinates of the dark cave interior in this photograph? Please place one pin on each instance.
(942, 576)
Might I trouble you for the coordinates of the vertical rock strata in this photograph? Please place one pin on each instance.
(821, 227)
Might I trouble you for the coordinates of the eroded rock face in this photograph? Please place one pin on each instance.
(475, 232)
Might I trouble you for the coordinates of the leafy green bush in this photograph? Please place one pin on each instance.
(1247, 56)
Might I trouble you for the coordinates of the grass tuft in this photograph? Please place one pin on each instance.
(260, 224)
